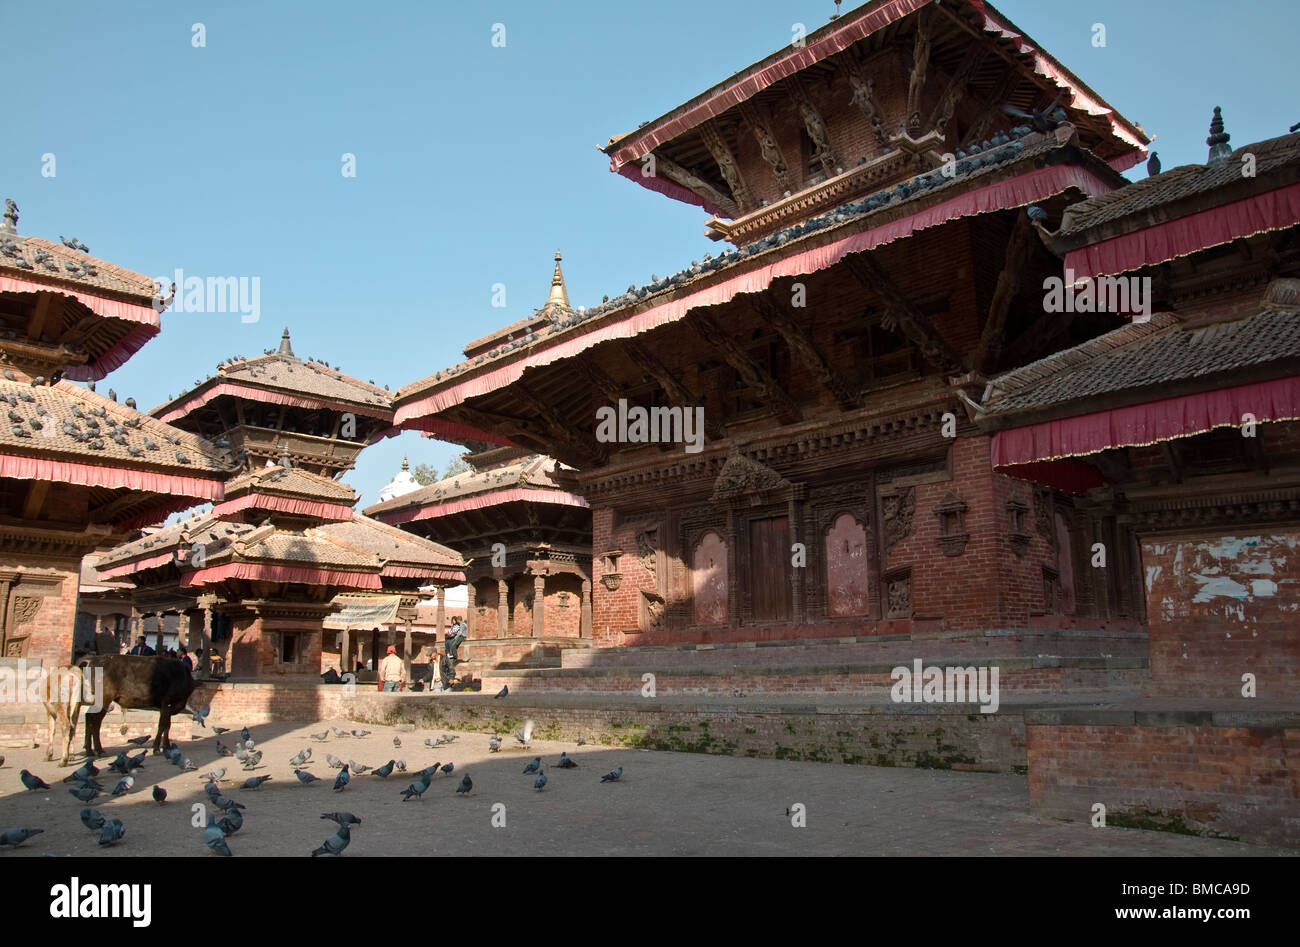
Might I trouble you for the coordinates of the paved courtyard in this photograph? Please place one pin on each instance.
(665, 804)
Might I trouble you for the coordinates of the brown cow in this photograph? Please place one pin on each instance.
(139, 683)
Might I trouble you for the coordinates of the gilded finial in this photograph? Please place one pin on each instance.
(559, 294)
(1218, 140)
(405, 465)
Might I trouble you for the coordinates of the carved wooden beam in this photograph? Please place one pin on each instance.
(993, 108)
(863, 89)
(823, 151)
(756, 118)
(916, 73)
(1174, 458)
(956, 87)
(1113, 464)
(599, 380)
(675, 172)
(522, 431)
(36, 493)
(751, 372)
(649, 363)
(559, 429)
(993, 337)
(902, 315)
(727, 165)
(801, 344)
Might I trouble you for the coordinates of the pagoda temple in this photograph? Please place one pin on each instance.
(78, 469)
(262, 576)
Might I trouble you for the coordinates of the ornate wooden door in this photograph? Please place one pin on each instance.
(769, 569)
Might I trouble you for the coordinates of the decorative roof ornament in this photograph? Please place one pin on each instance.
(1218, 141)
(559, 294)
(285, 348)
(405, 464)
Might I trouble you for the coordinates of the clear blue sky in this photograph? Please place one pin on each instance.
(474, 163)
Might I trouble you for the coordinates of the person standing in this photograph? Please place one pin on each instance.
(392, 671)
(142, 648)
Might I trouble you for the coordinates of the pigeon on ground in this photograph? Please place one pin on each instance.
(360, 733)
(254, 782)
(92, 820)
(32, 782)
(119, 764)
(244, 735)
(112, 832)
(338, 732)
(540, 782)
(224, 804)
(305, 777)
(302, 756)
(566, 762)
(342, 818)
(320, 737)
(397, 742)
(525, 736)
(494, 744)
(358, 768)
(231, 822)
(417, 788)
(223, 750)
(214, 776)
(211, 789)
(214, 838)
(333, 761)
(16, 836)
(85, 793)
(386, 770)
(432, 742)
(449, 737)
(86, 771)
(253, 760)
(447, 768)
(124, 785)
(504, 692)
(612, 776)
(465, 786)
(534, 766)
(159, 795)
(335, 844)
(139, 741)
(137, 762)
(240, 753)
(401, 766)
(187, 765)
(220, 730)
(342, 779)
(249, 744)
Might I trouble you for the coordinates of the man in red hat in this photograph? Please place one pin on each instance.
(392, 671)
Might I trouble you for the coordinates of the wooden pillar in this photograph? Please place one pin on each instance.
(205, 642)
(733, 574)
(406, 649)
(345, 651)
(539, 605)
(584, 626)
(442, 611)
(158, 646)
(503, 601)
(183, 631)
(797, 578)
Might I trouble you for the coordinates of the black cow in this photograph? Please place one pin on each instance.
(139, 683)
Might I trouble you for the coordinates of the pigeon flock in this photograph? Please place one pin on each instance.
(225, 816)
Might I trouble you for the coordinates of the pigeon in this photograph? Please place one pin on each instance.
(431, 771)
(494, 745)
(338, 732)
(244, 735)
(360, 733)
(504, 692)
(112, 832)
(305, 777)
(249, 744)
(240, 753)
(86, 771)
(224, 804)
(211, 789)
(159, 795)
(342, 779)
(447, 768)
(202, 715)
(85, 793)
(231, 822)
(139, 741)
(333, 761)
(92, 820)
(120, 764)
(16, 836)
(417, 788)
(1036, 214)
(386, 770)
(358, 768)
(397, 741)
(465, 786)
(254, 782)
(525, 736)
(342, 818)
(214, 838)
(302, 756)
(335, 844)
(612, 776)
(215, 775)
(187, 765)
(534, 766)
(565, 762)
(253, 760)
(401, 766)
(1153, 164)
(137, 762)
(582, 741)
(124, 785)
(320, 737)
(220, 730)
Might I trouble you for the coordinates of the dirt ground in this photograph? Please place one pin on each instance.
(665, 804)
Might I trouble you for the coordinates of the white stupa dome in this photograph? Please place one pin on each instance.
(400, 485)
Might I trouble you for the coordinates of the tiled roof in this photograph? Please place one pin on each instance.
(198, 527)
(310, 546)
(1146, 358)
(1177, 184)
(536, 471)
(1012, 150)
(69, 422)
(391, 544)
(44, 260)
(292, 482)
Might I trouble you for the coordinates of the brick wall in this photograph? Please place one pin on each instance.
(46, 594)
(1175, 771)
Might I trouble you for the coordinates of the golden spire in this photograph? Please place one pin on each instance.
(559, 295)
(405, 465)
